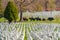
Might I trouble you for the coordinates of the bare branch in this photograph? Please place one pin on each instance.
(23, 2)
(29, 3)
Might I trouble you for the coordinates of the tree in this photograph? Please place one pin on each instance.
(46, 5)
(21, 4)
(0, 6)
(11, 12)
(39, 6)
(50, 5)
(32, 5)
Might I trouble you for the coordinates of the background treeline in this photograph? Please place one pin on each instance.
(36, 5)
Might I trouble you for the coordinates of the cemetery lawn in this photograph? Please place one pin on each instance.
(2, 19)
(47, 21)
(57, 20)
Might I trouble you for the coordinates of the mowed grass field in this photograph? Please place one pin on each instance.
(56, 20)
(2, 19)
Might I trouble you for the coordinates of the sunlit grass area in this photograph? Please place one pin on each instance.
(56, 20)
(2, 19)
(46, 21)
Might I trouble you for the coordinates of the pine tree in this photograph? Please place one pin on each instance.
(11, 12)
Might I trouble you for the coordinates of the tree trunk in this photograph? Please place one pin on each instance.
(46, 6)
(10, 21)
(21, 18)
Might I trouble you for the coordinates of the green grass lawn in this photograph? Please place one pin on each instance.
(2, 19)
(54, 21)
(57, 20)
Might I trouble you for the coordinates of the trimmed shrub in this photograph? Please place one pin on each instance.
(25, 19)
(32, 19)
(50, 18)
(43, 19)
(38, 19)
(11, 12)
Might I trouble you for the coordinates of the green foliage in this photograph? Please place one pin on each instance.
(11, 12)
(51, 4)
(39, 8)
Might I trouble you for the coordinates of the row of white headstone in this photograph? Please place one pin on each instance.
(34, 31)
(43, 14)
